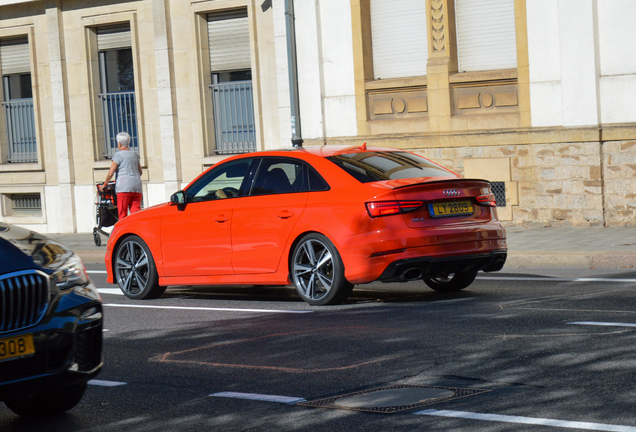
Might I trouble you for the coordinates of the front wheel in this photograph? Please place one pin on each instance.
(452, 282)
(317, 271)
(135, 270)
(49, 403)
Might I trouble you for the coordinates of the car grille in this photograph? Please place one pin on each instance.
(24, 297)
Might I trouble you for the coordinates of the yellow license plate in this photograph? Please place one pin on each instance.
(450, 208)
(18, 346)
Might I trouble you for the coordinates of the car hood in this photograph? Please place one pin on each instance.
(22, 249)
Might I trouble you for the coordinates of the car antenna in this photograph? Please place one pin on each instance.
(363, 147)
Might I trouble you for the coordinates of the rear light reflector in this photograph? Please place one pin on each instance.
(387, 208)
(487, 200)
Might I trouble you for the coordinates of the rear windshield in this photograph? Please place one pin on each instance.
(376, 166)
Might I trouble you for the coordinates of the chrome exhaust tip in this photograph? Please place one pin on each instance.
(411, 274)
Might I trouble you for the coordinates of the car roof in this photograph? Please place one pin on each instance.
(330, 150)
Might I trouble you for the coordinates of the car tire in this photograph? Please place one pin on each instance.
(453, 282)
(135, 270)
(317, 271)
(50, 403)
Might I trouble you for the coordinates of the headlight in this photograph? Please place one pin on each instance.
(71, 274)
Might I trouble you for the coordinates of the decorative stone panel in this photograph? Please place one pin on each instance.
(483, 99)
(397, 104)
(438, 30)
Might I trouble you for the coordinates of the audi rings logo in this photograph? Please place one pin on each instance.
(452, 192)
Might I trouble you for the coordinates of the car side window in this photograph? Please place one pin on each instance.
(286, 175)
(222, 182)
(316, 182)
(278, 177)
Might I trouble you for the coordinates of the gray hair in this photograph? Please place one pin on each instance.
(123, 138)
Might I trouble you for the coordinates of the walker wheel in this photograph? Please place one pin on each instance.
(97, 238)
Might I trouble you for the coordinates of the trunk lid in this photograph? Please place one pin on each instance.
(446, 202)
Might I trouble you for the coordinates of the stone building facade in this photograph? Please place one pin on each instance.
(545, 109)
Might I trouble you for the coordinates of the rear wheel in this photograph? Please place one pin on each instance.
(317, 271)
(135, 270)
(452, 282)
(49, 403)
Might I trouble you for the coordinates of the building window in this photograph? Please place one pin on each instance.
(17, 101)
(117, 83)
(398, 33)
(232, 92)
(484, 31)
(485, 35)
(26, 204)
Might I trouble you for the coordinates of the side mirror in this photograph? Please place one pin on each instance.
(179, 199)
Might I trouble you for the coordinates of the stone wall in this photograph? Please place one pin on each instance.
(619, 159)
(556, 184)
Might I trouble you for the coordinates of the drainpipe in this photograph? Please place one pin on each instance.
(297, 139)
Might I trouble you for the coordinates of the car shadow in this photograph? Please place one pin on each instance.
(377, 292)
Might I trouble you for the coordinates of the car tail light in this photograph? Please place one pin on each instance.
(487, 200)
(387, 208)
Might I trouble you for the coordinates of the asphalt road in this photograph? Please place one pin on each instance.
(530, 349)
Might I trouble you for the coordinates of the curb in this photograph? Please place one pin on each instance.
(558, 259)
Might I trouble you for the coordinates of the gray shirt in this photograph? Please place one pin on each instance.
(128, 176)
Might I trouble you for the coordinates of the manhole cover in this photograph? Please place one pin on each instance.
(392, 399)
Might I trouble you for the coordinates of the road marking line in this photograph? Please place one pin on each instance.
(528, 420)
(114, 291)
(606, 324)
(102, 383)
(208, 309)
(259, 397)
(96, 271)
(550, 279)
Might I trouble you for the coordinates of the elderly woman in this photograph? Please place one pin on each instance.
(128, 183)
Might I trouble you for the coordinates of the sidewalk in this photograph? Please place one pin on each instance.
(527, 247)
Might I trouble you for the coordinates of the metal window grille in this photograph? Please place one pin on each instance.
(120, 115)
(499, 190)
(234, 125)
(26, 203)
(20, 131)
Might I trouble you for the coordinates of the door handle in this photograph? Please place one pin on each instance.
(285, 214)
(221, 218)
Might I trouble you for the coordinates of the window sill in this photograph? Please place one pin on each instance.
(384, 84)
(496, 75)
(21, 167)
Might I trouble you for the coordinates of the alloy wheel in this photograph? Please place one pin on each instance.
(313, 269)
(132, 267)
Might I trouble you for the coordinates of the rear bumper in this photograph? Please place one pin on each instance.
(416, 268)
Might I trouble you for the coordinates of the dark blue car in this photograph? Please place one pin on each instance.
(50, 324)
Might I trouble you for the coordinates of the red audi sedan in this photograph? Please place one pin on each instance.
(321, 218)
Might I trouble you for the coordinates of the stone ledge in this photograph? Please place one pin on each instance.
(571, 259)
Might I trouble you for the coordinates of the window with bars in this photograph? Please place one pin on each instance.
(499, 191)
(17, 101)
(26, 203)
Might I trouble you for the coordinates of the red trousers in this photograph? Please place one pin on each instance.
(128, 200)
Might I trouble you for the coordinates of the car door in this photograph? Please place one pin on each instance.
(263, 220)
(196, 238)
